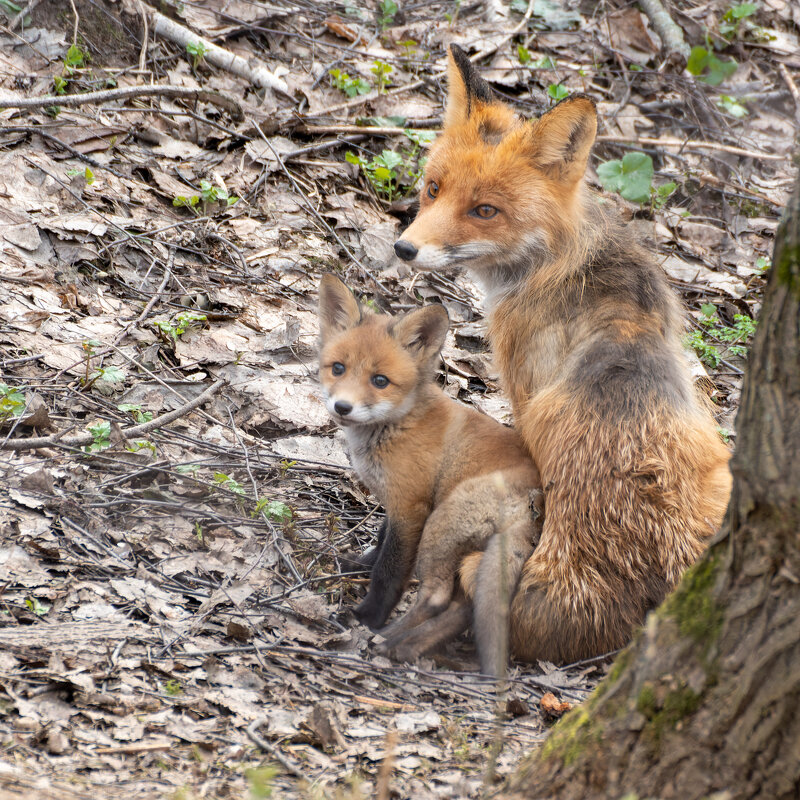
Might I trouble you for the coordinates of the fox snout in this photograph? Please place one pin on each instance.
(405, 250)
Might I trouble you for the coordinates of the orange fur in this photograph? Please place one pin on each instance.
(586, 335)
(452, 480)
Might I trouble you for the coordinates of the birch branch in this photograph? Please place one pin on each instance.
(253, 71)
(669, 32)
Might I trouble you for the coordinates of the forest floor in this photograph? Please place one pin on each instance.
(173, 618)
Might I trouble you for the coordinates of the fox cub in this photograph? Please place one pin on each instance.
(586, 334)
(454, 482)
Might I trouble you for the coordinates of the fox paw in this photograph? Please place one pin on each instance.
(369, 614)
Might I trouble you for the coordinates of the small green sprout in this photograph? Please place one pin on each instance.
(381, 70)
(197, 50)
(101, 436)
(350, 86)
(387, 11)
(557, 91)
(223, 481)
(12, 402)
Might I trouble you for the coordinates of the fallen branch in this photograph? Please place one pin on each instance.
(669, 32)
(257, 74)
(268, 747)
(83, 439)
(123, 93)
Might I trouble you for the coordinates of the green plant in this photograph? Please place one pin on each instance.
(101, 436)
(381, 70)
(136, 445)
(409, 47)
(37, 606)
(631, 176)
(545, 62)
(733, 339)
(260, 781)
(75, 58)
(350, 86)
(702, 59)
(12, 402)
(763, 263)
(86, 172)
(136, 410)
(387, 11)
(285, 466)
(60, 84)
(197, 50)
(523, 54)
(273, 510)
(381, 171)
(733, 18)
(557, 91)
(660, 194)
(110, 374)
(173, 687)
(179, 324)
(731, 106)
(223, 481)
(214, 194)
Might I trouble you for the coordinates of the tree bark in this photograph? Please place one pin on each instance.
(706, 699)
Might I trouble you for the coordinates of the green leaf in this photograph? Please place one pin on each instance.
(75, 57)
(545, 62)
(37, 606)
(557, 91)
(553, 14)
(382, 122)
(278, 511)
(666, 189)
(420, 138)
(741, 11)
(383, 175)
(631, 177)
(523, 54)
(731, 106)
(389, 159)
(698, 60)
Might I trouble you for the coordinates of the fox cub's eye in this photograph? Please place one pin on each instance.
(484, 211)
(380, 381)
(337, 368)
(433, 190)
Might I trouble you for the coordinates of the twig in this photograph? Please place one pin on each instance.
(123, 93)
(77, 21)
(669, 32)
(789, 81)
(268, 747)
(22, 14)
(383, 788)
(145, 36)
(257, 74)
(689, 144)
(129, 433)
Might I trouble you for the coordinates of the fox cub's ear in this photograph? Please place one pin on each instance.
(465, 88)
(338, 307)
(422, 332)
(563, 137)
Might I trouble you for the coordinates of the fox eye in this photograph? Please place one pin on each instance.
(433, 190)
(484, 211)
(380, 381)
(337, 368)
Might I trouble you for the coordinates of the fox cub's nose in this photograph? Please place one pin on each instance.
(342, 408)
(405, 250)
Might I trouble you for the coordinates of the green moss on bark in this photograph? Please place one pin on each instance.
(665, 714)
(576, 731)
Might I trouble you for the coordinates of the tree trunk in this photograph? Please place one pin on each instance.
(706, 699)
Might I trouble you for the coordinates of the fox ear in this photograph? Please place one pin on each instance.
(563, 137)
(465, 88)
(422, 332)
(338, 307)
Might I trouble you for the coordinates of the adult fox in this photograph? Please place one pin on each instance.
(586, 335)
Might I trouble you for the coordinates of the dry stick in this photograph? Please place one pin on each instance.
(268, 747)
(217, 98)
(22, 14)
(137, 430)
(383, 788)
(257, 74)
(314, 211)
(789, 81)
(692, 145)
(664, 142)
(77, 21)
(416, 84)
(145, 36)
(669, 32)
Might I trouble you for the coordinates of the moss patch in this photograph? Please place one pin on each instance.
(693, 606)
(788, 267)
(571, 736)
(663, 715)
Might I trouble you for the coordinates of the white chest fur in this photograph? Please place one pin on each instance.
(361, 442)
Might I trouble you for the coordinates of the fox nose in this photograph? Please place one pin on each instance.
(405, 250)
(342, 408)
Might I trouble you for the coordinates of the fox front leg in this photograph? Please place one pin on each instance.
(390, 573)
(357, 562)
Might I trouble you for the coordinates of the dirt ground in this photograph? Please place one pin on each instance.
(174, 620)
